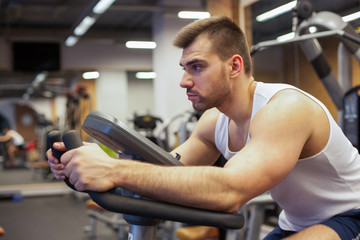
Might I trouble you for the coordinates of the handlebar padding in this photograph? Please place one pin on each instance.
(167, 211)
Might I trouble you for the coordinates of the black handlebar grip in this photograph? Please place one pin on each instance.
(55, 136)
(72, 140)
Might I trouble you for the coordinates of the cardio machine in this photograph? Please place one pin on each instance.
(142, 214)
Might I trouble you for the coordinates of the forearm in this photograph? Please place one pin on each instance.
(5, 138)
(201, 187)
(89, 168)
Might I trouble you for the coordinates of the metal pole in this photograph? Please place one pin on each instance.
(137, 232)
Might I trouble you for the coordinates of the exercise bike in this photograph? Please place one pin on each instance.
(142, 214)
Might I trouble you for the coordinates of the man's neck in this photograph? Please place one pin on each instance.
(239, 105)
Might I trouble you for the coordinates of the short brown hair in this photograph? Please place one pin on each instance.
(226, 38)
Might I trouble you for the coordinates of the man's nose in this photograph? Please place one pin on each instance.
(186, 81)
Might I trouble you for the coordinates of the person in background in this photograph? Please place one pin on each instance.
(13, 142)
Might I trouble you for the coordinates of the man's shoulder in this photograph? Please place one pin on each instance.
(293, 105)
(292, 97)
(205, 128)
(210, 116)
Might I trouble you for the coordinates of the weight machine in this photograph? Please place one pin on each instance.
(327, 24)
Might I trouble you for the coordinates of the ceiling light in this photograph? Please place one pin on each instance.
(193, 15)
(313, 29)
(286, 37)
(40, 77)
(85, 24)
(71, 41)
(102, 6)
(91, 75)
(141, 44)
(351, 17)
(145, 75)
(276, 12)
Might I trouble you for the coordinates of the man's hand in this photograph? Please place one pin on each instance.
(87, 167)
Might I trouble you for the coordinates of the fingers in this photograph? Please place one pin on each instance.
(59, 146)
(73, 170)
(76, 180)
(55, 165)
(58, 167)
(58, 170)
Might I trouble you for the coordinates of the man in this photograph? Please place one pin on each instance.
(13, 142)
(276, 138)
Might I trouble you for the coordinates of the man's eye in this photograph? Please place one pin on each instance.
(195, 67)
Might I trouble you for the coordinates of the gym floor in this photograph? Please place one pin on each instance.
(55, 217)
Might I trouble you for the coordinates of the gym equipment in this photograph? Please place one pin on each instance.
(77, 106)
(304, 18)
(176, 129)
(97, 213)
(351, 116)
(197, 232)
(122, 139)
(146, 123)
(142, 214)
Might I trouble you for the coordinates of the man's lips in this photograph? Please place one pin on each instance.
(191, 96)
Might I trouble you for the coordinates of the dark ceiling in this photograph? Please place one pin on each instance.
(55, 19)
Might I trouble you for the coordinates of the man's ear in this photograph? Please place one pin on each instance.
(236, 65)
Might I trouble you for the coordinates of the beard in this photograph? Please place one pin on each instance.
(216, 94)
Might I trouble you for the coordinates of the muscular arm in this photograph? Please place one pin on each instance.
(278, 134)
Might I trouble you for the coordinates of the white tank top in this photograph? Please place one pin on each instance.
(318, 187)
(17, 139)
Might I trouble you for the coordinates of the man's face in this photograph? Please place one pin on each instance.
(206, 77)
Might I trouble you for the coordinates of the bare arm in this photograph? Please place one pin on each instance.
(272, 153)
